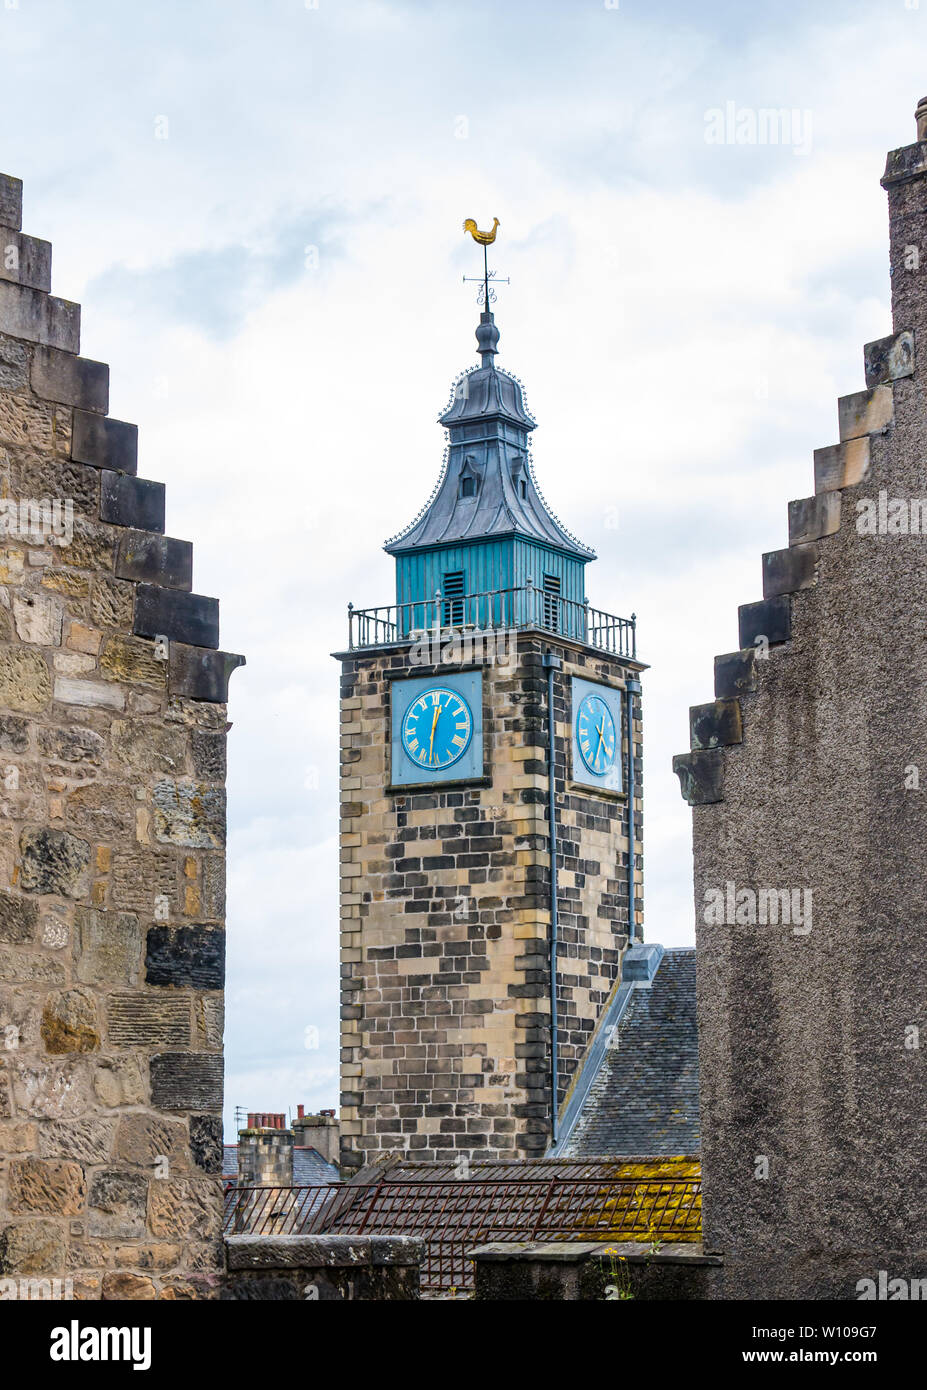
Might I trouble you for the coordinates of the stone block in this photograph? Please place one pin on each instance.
(770, 619)
(209, 755)
(715, 725)
(26, 260)
(69, 1022)
(72, 745)
(132, 660)
(25, 681)
(104, 443)
(841, 464)
(119, 1081)
(14, 734)
(146, 747)
(206, 1142)
(38, 619)
(198, 674)
(785, 571)
(865, 412)
(11, 202)
(811, 518)
(59, 376)
(701, 776)
(142, 1139)
(32, 1247)
(889, 359)
(140, 1020)
(184, 617)
(37, 317)
(735, 674)
(179, 956)
(108, 946)
(186, 1081)
(189, 813)
(90, 694)
(46, 1186)
(54, 861)
(146, 557)
(86, 1141)
(129, 501)
(117, 1205)
(121, 1286)
(18, 919)
(185, 1208)
(112, 602)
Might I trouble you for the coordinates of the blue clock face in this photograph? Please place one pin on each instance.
(437, 728)
(595, 734)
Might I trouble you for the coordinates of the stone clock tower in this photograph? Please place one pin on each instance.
(457, 1036)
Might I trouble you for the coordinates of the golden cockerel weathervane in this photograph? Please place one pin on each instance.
(484, 239)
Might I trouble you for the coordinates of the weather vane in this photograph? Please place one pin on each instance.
(484, 239)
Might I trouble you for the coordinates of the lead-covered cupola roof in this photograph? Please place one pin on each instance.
(487, 487)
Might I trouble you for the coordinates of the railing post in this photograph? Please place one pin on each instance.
(634, 635)
(350, 627)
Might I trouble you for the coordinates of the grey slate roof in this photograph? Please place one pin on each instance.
(644, 1098)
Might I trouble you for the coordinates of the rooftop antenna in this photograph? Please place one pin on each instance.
(486, 296)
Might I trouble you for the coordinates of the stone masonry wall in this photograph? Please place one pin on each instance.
(807, 775)
(112, 833)
(445, 920)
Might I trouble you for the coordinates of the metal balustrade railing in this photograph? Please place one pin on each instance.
(468, 615)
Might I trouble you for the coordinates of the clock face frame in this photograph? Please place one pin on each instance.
(437, 728)
(597, 729)
(456, 753)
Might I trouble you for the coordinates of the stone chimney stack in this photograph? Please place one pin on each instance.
(265, 1154)
(321, 1132)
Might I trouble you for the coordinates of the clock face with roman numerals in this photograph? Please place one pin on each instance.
(595, 734)
(437, 728)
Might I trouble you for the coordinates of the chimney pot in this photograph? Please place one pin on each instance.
(920, 116)
(299, 1112)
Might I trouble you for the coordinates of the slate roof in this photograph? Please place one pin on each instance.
(644, 1098)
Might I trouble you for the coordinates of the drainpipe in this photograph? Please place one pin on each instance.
(632, 688)
(551, 664)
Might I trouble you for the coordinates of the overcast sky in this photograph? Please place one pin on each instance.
(259, 206)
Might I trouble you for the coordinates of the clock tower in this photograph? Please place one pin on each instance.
(490, 808)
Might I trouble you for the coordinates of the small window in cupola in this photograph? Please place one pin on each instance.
(469, 478)
(522, 488)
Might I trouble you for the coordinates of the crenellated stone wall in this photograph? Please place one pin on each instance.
(807, 777)
(445, 916)
(112, 833)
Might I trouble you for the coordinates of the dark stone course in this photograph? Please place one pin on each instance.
(104, 443)
(186, 1081)
(150, 558)
(185, 617)
(69, 380)
(206, 1142)
(200, 674)
(770, 618)
(181, 956)
(701, 775)
(715, 725)
(130, 501)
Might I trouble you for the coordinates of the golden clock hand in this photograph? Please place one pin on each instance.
(434, 725)
(595, 759)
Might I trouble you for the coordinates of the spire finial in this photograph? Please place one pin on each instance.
(487, 334)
